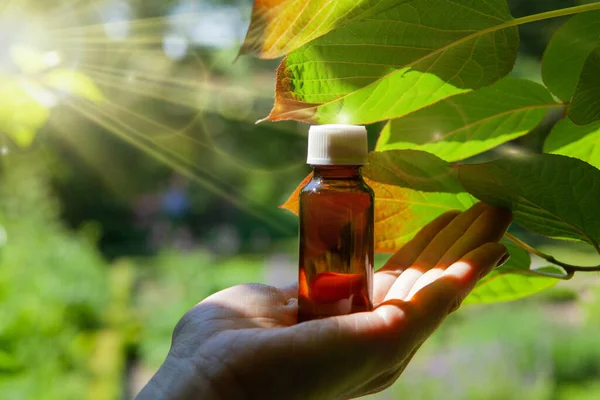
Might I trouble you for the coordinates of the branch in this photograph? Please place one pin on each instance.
(570, 269)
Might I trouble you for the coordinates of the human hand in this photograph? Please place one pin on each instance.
(244, 342)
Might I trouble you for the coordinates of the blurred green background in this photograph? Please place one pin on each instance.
(124, 213)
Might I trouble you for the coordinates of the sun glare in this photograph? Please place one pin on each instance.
(96, 59)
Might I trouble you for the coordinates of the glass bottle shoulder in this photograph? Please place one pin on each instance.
(331, 185)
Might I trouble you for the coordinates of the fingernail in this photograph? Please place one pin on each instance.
(455, 306)
(503, 260)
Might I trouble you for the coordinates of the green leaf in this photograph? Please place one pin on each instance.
(9, 363)
(411, 189)
(513, 280)
(567, 52)
(577, 141)
(74, 83)
(21, 114)
(585, 107)
(397, 62)
(549, 194)
(280, 26)
(468, 124)
(412, 169)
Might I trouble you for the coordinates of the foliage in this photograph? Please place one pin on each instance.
(505, 351)
(523, 184)
(511, 281)
(20, 115)
(348, 74)
(435, 70)
(463, 126)
(586, 100)
(53, 290)
(566, 54)
(272, 35)
(573, 140)
(26, 99)
(174, 282)
(67, 317)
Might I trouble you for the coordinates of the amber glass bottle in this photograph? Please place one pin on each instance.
(336, 226)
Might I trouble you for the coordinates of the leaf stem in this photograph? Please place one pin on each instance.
(553, 14)
(564, 277)
(570, 269)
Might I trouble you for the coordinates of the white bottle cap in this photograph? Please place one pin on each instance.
(337, 145)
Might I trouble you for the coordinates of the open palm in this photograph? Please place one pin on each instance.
(244, 342)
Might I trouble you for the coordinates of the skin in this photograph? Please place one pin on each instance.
(244, 342)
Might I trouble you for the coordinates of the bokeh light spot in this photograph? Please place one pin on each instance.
(175, 46)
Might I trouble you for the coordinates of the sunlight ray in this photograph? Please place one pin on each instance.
(209, 144)
(66, 13)
(202, 83)
(135, 40)
(108, 172)
(186, 98)
(113, 48)
(151, 92)
(112, 126)
(194, 84)
(133, 23)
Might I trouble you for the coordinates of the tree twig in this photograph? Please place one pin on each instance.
(570, 269)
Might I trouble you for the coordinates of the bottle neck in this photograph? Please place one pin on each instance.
(337, 171)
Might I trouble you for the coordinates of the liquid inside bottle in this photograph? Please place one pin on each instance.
(336, 243)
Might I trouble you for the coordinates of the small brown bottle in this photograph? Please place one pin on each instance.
(336, 226)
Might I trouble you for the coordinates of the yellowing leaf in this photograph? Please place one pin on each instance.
(411, 189)
(401, 212)
(292, 202)
(396, 62)
(280, 26)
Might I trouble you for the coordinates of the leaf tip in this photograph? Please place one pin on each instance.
(287, 105)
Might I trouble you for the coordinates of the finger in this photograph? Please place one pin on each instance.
(461, 276)
(449, 235)
(435, 300)
(425, 279)
(434, 251)
(489, 227)
(388, 335)
(407, 255)
(386, 276)
(454, 283)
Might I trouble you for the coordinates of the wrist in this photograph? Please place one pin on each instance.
(179, 379)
